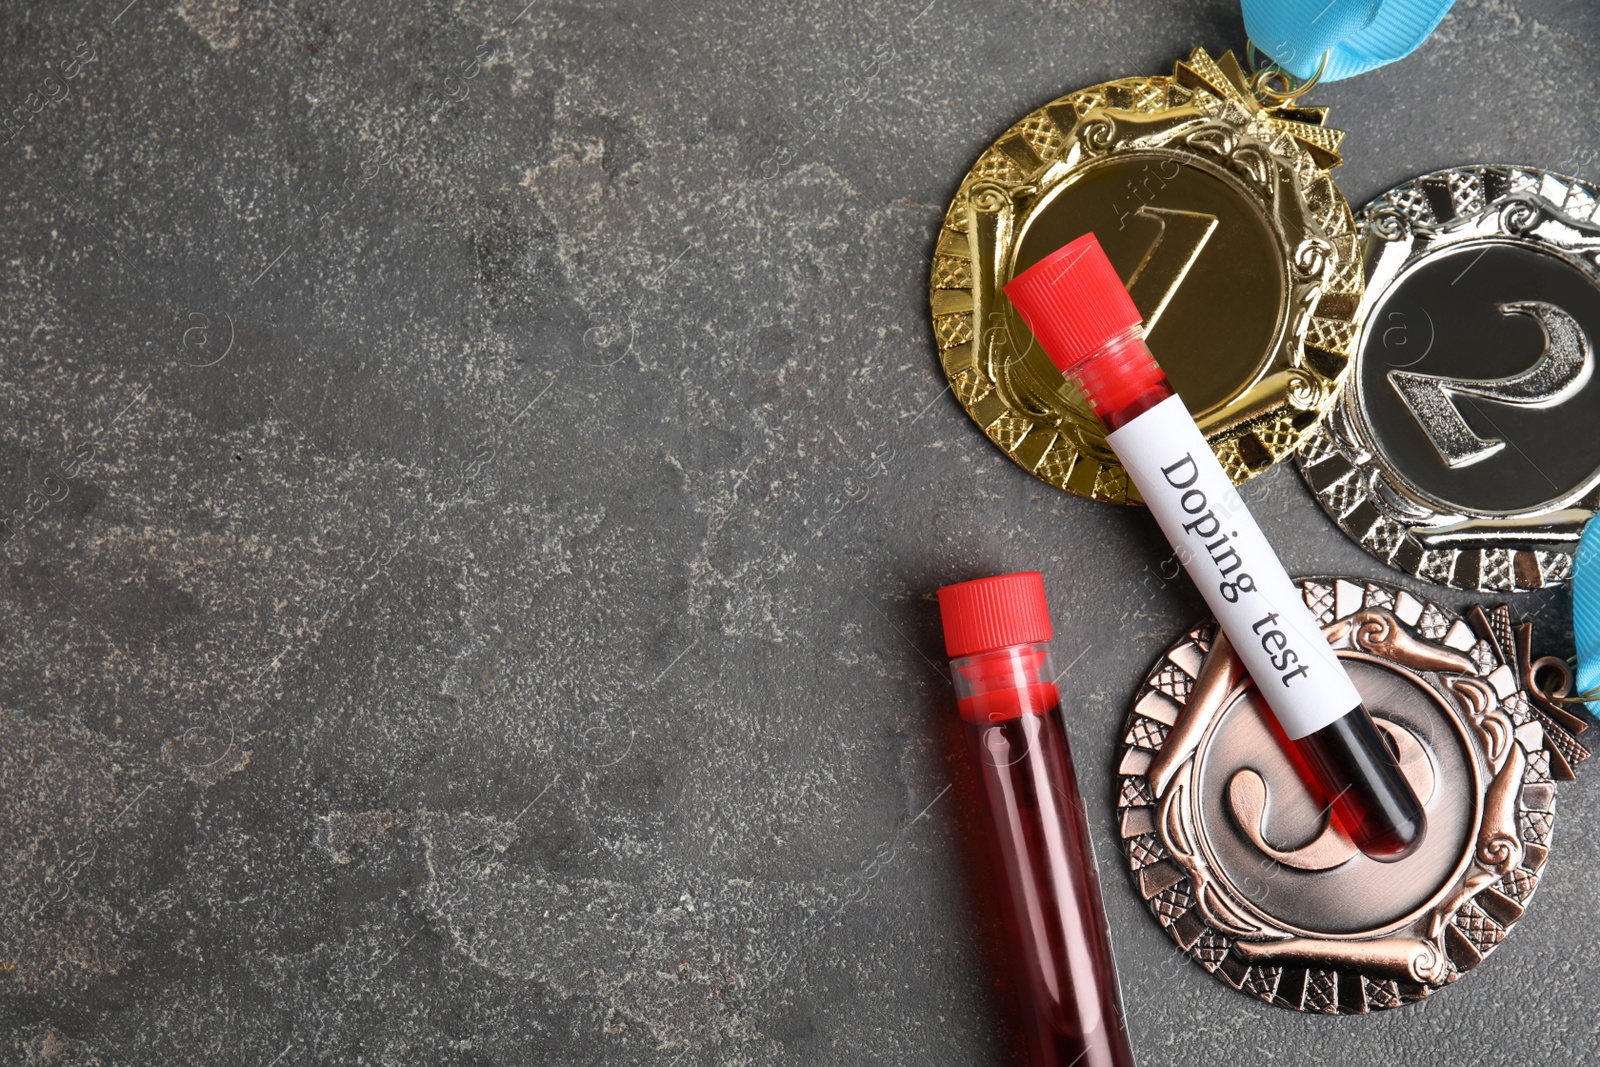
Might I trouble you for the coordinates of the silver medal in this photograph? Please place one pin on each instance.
(1466, 447)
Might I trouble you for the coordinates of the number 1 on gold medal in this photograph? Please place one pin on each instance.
(1166, 262)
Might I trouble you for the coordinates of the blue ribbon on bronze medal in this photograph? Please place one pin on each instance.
(1586, 613)
(1354, 35)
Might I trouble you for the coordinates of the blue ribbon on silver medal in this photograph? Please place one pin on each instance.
(1586, 613)
(1355, 35)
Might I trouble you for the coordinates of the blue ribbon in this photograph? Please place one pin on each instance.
(1357, 34)
(1586, 611)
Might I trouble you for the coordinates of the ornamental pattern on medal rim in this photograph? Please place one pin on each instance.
(1478, 668)
(1280, 155)
(1338, 458)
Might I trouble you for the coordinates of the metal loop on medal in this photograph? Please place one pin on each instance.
(1557, 693)
(1291, 89)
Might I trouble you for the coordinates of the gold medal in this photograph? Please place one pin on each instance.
(1213, 200)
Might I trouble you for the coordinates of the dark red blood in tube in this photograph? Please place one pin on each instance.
(1035, 827)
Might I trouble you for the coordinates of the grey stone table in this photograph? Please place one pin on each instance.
(474, 476)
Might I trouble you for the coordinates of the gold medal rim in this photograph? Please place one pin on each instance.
(1315, 228)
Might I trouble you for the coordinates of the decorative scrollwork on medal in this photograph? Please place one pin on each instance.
(1252, 879)
(1219, 212)
(1463, 450)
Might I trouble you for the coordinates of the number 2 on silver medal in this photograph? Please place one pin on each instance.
(1562, 369)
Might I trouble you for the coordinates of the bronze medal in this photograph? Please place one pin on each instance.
(1216, 206)
(1246, 872)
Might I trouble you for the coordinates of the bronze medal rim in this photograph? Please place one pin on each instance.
(1377, 507)
(1279, 156)
(1514, 736)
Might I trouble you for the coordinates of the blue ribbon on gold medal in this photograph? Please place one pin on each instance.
(1354, 35)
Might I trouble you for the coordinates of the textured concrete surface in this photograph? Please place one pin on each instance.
(475, 475)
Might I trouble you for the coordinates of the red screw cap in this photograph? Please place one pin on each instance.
(990, 613)
(1073, 301)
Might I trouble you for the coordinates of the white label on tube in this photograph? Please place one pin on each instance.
(1238, 573)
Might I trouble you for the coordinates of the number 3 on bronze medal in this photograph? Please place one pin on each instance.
(1561, 371)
